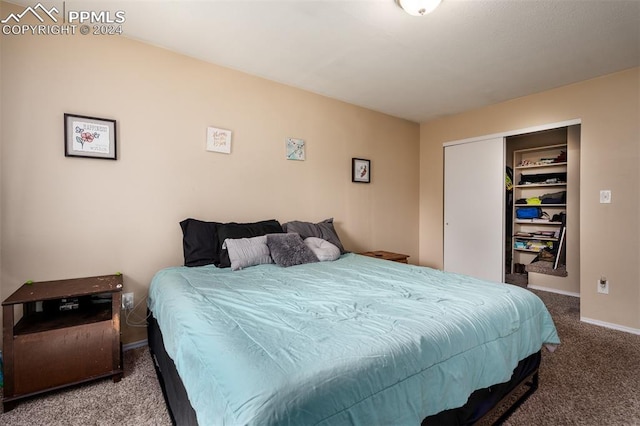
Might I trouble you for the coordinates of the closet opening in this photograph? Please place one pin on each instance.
(542, 209)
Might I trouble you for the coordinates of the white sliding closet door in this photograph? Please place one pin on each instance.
(474, 209)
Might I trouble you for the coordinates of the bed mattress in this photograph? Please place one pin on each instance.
(358, 340)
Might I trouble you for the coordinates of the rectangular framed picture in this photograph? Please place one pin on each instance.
(295, 149)
(360, 170)
(219, 140)
(89, 137)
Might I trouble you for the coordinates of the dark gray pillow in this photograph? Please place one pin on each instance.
(289, 250)
(324, 230)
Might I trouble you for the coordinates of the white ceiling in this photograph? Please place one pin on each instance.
(465, 55)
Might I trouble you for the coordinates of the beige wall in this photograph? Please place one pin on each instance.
(609, 148)
(71, 217)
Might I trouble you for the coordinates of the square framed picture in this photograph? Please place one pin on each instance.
(360, 170)
(295, 149)
(89, 137)
(219, 140)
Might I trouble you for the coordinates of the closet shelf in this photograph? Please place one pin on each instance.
(535, 222)
(527, 250)
(540, 185)
(539, 205)
(536, 238)
(537, 166)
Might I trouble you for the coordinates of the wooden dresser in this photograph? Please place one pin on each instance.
(387, 255)
(69, 333)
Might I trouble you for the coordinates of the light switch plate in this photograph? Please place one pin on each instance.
(605, 196)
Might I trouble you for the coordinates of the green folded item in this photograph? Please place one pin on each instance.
(534, 200)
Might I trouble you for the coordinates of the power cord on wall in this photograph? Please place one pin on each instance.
(133, 319)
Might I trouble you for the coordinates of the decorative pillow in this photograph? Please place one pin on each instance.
(199, 242)
(324, 230)
(234, 231)
(289, 249)
(323, 249)
(246, 252)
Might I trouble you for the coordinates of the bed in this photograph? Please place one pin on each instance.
(357, 340)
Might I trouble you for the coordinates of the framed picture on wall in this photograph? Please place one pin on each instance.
(218, 140)
(360, 170)
(89, 137)
(295, 149)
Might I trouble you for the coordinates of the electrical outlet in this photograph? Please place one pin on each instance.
(603, 286)
(127, 301)
(605, 196)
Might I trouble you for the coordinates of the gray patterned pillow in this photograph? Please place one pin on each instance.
(244, 252)
(289, 250)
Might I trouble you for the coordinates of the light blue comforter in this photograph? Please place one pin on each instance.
(358, 341)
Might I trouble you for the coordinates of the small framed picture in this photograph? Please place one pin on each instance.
(360, 170)
(219, 140)
(295, 149)
(89, 137)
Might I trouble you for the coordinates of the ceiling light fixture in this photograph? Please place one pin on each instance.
(418, 7)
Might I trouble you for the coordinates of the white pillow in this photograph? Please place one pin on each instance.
(244, 252)
(323, 249)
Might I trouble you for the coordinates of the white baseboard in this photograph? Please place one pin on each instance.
(610, 325)
(553, 290)
(585, 319)
(135, 345)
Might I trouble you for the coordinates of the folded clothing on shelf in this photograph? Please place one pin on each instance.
(554, 198)
(542, 178)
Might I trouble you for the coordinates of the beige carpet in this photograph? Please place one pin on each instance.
(135, 400)
(592, 379)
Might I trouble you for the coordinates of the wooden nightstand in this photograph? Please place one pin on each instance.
(387, 255)
(69, 333)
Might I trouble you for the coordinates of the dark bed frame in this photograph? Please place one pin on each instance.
(481, 405)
